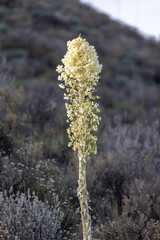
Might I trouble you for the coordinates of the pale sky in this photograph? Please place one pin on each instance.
(142, 14)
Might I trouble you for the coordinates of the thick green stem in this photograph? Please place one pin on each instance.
(83, 198)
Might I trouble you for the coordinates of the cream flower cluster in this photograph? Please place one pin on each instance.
(79, 76)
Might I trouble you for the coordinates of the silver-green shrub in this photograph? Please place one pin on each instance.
(25, 217)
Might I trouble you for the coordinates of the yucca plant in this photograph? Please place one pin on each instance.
(79, 76)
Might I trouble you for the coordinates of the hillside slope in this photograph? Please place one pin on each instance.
(33, 37)
(123, 179)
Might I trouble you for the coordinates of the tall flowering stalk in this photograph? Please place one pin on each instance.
(79, 76)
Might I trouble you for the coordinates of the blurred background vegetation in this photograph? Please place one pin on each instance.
(124, 177)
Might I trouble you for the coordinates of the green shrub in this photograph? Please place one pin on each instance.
(95, 33)
(38, 13)
(75, 20)
(4, 29)
(20, 53)
(82, 30)
(3, 12)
